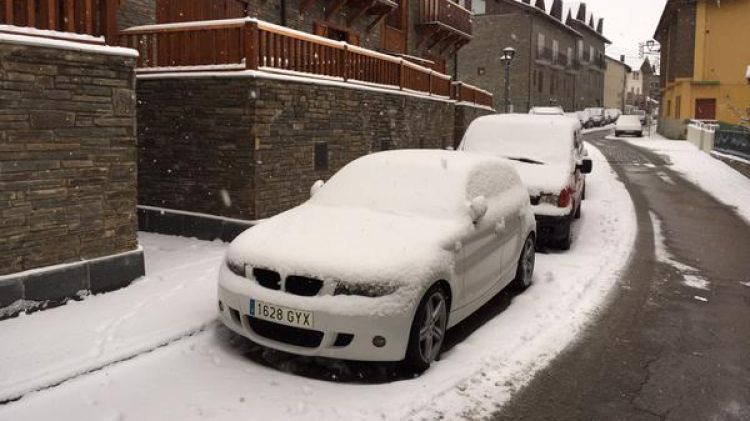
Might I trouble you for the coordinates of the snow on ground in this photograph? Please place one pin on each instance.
(715, 177)
(45, 348)
(690, 275)
(214, 374)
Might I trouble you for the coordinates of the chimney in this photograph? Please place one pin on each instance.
(569, 20)
(581, 12)
(622, 58)
(600, 26)
(540, 5)
(591, 21)
(557, 10)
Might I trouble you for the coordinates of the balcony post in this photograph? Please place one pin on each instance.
(109, 21)
(401, 75)
(251, 44)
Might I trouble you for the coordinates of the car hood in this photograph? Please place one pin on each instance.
(351, 244)
(544, 179)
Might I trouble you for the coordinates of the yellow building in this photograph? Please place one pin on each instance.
(705, 49)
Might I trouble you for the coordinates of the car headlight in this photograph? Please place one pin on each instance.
(236, 268)
(365, 290)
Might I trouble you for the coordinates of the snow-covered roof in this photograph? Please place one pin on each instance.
(42, 38)
(546, 139)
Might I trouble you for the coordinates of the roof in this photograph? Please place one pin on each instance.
(541, 12)
(628, 68)
(591, 31)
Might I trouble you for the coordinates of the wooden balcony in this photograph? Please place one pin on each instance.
(250, 44)
(97, 18)
(463, 92)
(443, 25)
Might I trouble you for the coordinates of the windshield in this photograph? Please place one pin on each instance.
(539, 140)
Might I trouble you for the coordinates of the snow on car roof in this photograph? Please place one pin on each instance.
(548, 139)
(433, 183)
(547, 111)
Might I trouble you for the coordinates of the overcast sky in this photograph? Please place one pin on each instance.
(626, 23)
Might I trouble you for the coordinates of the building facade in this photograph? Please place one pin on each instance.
(634, 89)
(703, 63)
(553, 64)
(590, 77)
(615, 83)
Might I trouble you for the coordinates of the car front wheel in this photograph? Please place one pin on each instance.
(428, 329)
(525, 270)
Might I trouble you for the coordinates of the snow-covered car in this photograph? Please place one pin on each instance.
(597, 116)
(549, 155)
(584, 117)
(612, 114)
(547, 111)
(387, 255)
(629, 124)
(642, 116)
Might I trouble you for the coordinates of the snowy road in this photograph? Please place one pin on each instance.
(159, 373)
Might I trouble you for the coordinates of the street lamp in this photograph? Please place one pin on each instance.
(507, 59)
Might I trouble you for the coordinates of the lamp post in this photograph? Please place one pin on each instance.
(507, 59)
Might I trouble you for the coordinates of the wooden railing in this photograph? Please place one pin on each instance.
(88, 17)
(447, 13)
(252, 44)
(463, 92)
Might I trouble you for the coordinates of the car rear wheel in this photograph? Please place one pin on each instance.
(428, 329)
(566, 240)
(525, 270)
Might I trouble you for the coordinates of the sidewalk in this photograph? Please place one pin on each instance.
(45, 348)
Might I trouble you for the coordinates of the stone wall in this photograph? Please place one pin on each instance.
(465, 114)
(67, 167)
(136, 13)
(246, 147)
(673, 128)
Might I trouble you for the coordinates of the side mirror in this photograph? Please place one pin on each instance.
(586, 166)
(316, 187)
(477, 208)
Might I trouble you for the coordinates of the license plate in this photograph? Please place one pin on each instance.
(283, 315)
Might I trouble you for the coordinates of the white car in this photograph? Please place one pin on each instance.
(629, 124)
(612, 114)
(549, 154)
(547, 111)
(396, 248)
(597, 116)
(584, 117)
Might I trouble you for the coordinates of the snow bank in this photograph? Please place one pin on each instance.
(36, 37)
(208, 377)
(713, 176)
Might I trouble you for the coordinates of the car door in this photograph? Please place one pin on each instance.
(487, 251)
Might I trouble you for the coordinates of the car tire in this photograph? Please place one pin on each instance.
(525, 268)
(425, 329)
(583, 193)
(617, 134)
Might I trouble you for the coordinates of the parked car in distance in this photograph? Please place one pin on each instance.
(548, 153)
(642, 117)
(395, 249)
(612, 114)
(547, 111)
(629, 124)
(597, 116)
(584, 117)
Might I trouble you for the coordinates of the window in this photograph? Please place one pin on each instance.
(540, 43)
(570, 56)
(555, 48)
(541, 82)
(395, 19)
(478, 7)
(580, 49)
(669, 108)
(591, 53)
(678, 106)
(321, 156)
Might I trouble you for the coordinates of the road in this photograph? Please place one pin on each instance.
(662, 350)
